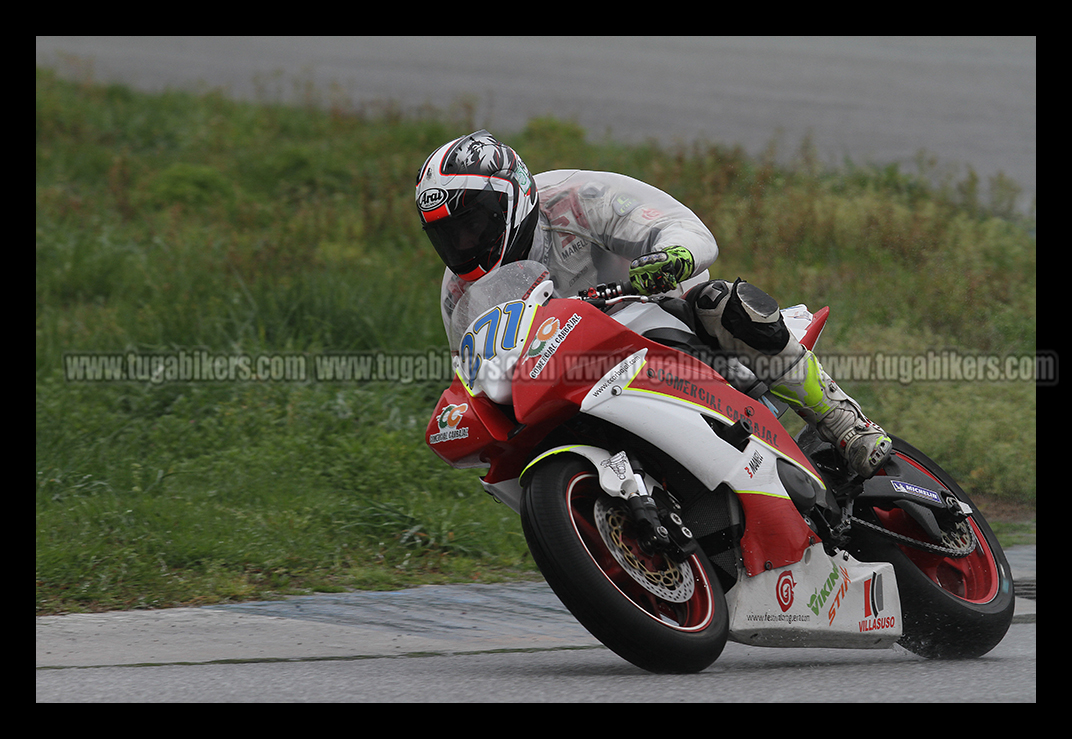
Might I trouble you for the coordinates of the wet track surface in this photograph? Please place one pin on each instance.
(429, 619)
(503, 642)
(596, 675)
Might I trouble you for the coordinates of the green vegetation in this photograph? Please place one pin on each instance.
(193, 222)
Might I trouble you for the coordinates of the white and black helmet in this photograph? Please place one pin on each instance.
(477, 202)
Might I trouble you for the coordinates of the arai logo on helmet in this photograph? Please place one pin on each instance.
(432, 198)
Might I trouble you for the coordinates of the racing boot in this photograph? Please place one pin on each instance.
(837, 417)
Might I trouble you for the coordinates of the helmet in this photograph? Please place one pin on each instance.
(477, 203)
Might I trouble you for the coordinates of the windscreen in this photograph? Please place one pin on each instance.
(514, 281)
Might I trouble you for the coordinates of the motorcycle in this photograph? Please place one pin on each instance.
(670, 511)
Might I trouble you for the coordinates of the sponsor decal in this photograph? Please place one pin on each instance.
(753, 464)
(549, 336)
(695, 392)
(432, 198)
(535, 284)
(910, 489)
(579, 247)
(874, 624)
(836, 585)
(618, 464)
(521, 174)
(623, 203)
(544, 335)
(448, 423)
(842, 590)
(624, 372)
(788, 618)
(784, 590)
(873, 604)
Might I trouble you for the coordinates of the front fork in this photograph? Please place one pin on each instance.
(659, 524)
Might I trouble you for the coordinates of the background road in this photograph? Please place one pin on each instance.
(968, 100)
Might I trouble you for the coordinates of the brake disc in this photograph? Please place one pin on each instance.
(671, 581)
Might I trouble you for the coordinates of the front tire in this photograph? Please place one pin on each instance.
(953, 607)
(662, 617)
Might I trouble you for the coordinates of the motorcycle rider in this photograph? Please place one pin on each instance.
(480, 208)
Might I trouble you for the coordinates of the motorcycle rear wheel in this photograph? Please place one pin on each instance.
(953, 608)
(683, 630)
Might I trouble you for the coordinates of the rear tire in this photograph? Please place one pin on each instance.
(953, 608)
(677, 623)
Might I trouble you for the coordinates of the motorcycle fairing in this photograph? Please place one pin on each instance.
(464, 428)
(819, 601)
(568, 376)
(694, 396)
(482, 434)
(561, 379)
(554, 374)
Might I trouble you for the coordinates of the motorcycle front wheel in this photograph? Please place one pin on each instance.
(953, 607)
(660, 615)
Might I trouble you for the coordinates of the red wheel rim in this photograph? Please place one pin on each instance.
(974, 578)
(692, 615)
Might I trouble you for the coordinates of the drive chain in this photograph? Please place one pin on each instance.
(955, 552)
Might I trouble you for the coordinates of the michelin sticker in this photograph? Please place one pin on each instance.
(910, 489)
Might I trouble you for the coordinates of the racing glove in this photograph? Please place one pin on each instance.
(661, 271)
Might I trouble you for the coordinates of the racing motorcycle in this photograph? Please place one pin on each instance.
(671, 512)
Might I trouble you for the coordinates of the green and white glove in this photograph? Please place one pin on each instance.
(661, 271)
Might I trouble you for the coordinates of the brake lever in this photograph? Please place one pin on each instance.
(610, 293)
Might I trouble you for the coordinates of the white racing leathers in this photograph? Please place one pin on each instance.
(593, 224)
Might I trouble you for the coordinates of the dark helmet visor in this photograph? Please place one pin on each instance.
(471, 238)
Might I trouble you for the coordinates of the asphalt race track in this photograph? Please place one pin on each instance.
(475, 643)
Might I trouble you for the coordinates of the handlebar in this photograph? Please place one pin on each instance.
(610, 293)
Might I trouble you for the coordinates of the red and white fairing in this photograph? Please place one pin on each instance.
(527, 364)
